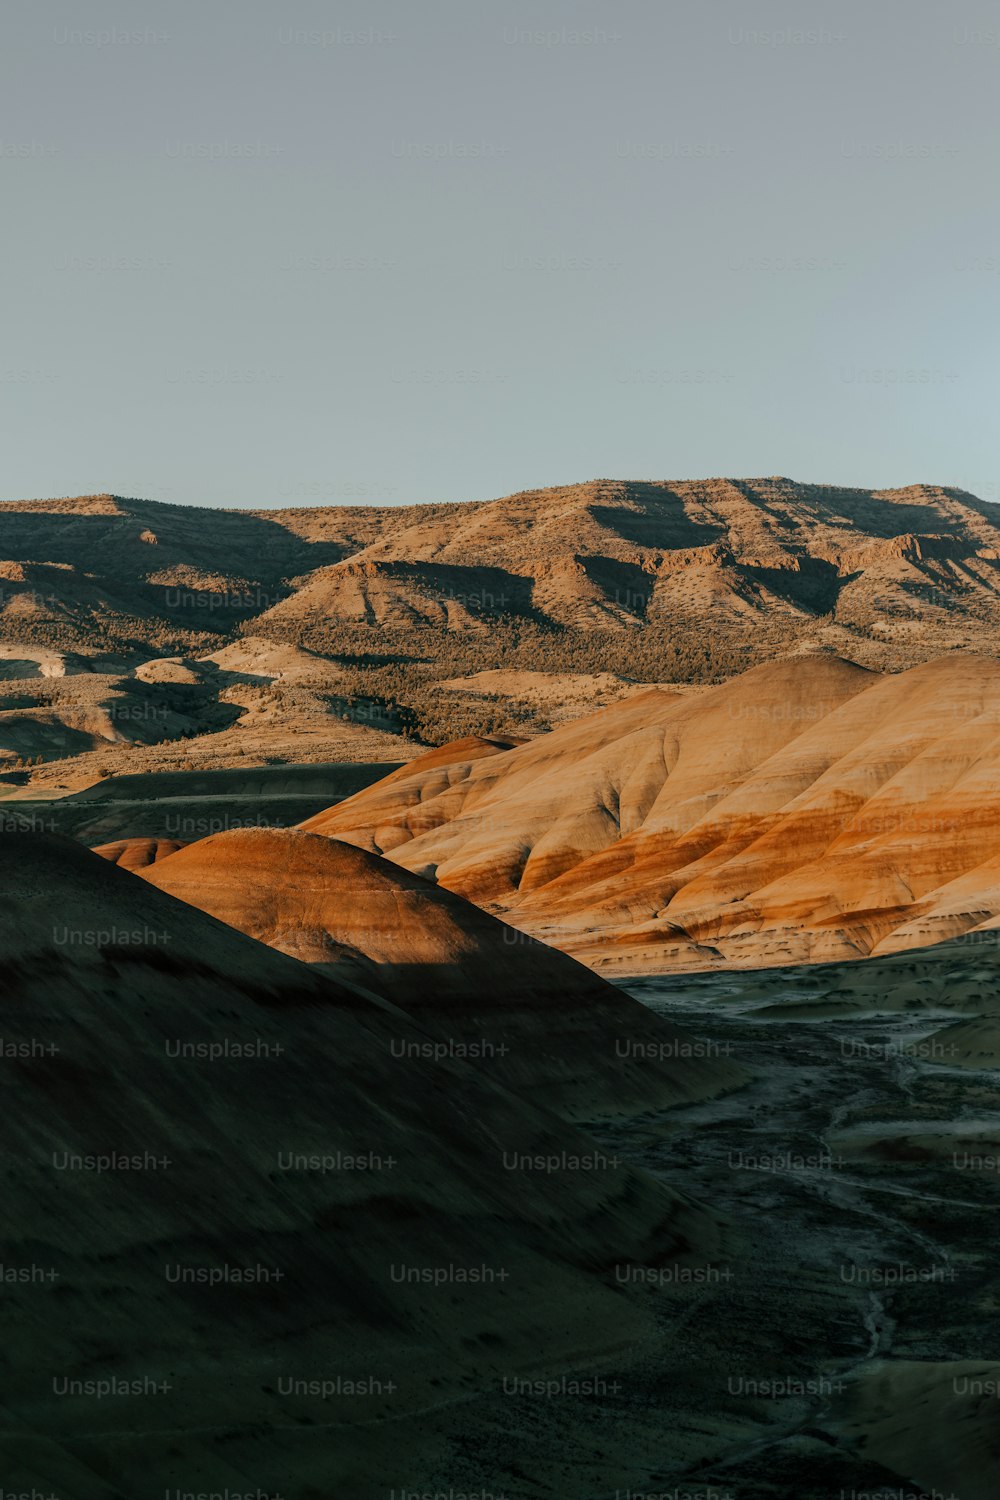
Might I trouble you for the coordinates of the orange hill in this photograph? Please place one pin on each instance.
(808, 810)
(533, 1018)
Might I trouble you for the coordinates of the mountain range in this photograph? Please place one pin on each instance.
(137, 636)
(606, 555)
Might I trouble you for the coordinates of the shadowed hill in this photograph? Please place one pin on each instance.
(181, 1103)
(539, 1022)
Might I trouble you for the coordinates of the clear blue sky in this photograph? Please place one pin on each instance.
(261, 254)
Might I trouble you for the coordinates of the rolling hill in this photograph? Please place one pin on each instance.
(808, 810)
(216, 1160)
(539, 1023)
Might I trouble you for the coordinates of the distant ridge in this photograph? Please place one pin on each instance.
(351, 632)
(605, 555)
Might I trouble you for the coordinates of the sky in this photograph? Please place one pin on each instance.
(292, 254)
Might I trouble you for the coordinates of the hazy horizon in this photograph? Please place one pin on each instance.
(275, 257)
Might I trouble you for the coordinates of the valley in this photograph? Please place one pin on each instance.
(502, 999)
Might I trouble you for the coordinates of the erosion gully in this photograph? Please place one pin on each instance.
(847, 1242)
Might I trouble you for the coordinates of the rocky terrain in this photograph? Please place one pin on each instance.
(608, 554)
(139, 636)
(330, 1167)
(848, 1348)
